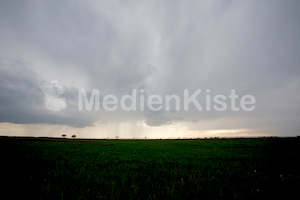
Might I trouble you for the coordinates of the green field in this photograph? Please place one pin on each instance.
(41, 168)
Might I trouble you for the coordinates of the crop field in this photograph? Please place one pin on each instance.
(45, 168)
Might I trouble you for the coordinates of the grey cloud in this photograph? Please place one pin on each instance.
(160, 46)
(22, 100)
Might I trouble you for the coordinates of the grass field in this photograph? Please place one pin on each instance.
(41, 168)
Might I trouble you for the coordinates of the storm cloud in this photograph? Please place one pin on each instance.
(162, 47)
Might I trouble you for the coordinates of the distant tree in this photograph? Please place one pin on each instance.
(73, 136)
(64, 135)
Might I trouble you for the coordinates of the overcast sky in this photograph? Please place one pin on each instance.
(162, 47)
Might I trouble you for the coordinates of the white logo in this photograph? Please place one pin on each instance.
(137, 101)
(54, 99)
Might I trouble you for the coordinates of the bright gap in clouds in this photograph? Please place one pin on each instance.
(122, 131)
